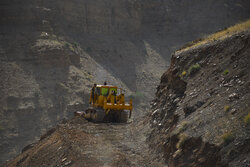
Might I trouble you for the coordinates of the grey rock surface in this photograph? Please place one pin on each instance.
(52, 51)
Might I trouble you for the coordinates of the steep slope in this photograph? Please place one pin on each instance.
(52, 51)
(130, 34)
(199, 116)
(45, 83)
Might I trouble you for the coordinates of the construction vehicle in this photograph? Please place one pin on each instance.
(107, 104)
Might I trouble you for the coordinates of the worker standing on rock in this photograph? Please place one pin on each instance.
(92, 97)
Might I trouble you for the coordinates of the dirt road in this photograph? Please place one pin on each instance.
(78, 142)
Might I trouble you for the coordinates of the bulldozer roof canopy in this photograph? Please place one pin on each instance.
(106, 86)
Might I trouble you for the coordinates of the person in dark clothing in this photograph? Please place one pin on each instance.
(105, 83)
(92, 94)
(114, 93)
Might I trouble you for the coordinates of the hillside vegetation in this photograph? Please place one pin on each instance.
(220, 35)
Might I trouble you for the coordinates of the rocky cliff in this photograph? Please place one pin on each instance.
(200, 116)
(53, 51)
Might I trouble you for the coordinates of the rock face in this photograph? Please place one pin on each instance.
(198, 117)
(51, 52)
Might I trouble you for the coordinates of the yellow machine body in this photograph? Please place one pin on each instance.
(109, 98)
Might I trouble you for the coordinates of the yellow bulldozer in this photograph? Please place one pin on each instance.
(107, 104)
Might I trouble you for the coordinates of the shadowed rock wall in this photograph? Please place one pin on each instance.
(52, 51)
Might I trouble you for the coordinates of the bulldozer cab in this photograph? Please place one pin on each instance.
(105, 90)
